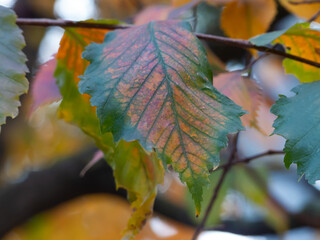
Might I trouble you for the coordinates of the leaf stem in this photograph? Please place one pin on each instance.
(44, 22)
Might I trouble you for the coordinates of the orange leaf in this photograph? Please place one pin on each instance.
(243, 91)
(159, 12)
(305, 11)
(247, 18)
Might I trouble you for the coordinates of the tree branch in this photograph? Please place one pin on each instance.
(304, 2)
(249, 159)
(224, 40)
(61, 182)
(315, 16)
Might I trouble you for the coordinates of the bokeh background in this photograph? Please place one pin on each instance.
(43, 196)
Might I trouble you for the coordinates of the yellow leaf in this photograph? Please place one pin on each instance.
(305, 11)
(247, 18)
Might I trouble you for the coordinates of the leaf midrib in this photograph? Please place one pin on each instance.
(153, 40)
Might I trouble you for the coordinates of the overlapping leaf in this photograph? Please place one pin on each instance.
(153, 83)
(158, 12)
(131, 164)
(299, 122)
(12, 68)
(305, 10)
(247, 18)
(243, 91)
(140, 173)
(44, 89)
(75, 108)
(299, 40)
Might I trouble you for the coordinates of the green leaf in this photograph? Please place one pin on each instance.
(135, 170)
(152, 83)
(255, 189)
(299, 40)
(299, 122)
(12, 65)
(214, 217)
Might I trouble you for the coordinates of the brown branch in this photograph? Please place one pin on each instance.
(224, 40)
(249, 159)
(315, 16)
(46, 22)
(233, 154)
(304, 2)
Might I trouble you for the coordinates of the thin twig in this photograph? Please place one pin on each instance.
(224, 40)
(304, 2)
(315, 16)
(249, 159)
(200, 227)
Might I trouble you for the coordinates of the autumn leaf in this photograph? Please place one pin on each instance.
(305, 11)
(128, 160)
(243, 91)
(159, 12)
(298, 122)
(156, 88)
(140, 174)
(299, 40)
(44, 89)
(92, 217)
(75, 108)
(247, 18)
(13, 68)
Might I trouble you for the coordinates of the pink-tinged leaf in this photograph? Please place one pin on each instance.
(44, 89)
(243, 91)
(153, 13)
(152, 83)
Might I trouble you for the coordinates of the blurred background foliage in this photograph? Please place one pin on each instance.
(261, 199)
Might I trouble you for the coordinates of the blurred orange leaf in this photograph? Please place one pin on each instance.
(247, 18)
(305, 11)
(159, 12)
(243, 91)
(94, 217)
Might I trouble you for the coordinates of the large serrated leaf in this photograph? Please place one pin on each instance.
(299, 122)
(299, 40)
(12, 65)
(153, 83)
(135, 170)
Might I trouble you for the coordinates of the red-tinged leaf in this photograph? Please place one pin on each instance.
(44, 89)
(151, 83)
(137, 171)
(159, 12)
(243, 91)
